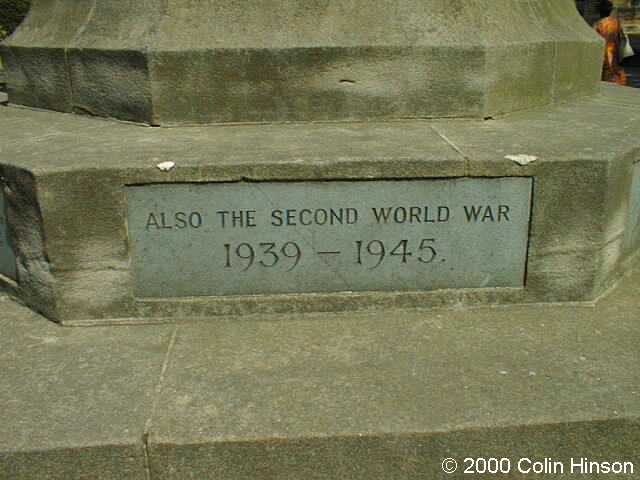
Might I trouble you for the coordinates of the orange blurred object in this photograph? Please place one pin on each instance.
(610, 29)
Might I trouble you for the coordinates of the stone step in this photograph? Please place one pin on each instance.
(103, 218)
(384, 395)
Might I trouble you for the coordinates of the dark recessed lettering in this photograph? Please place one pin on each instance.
(152, 222)
(163, 220)
(503, 213)
(412, 215)
(352, 216)
(276, 218)
(195, 220)
(251, 218)
(305, 217)
(321, 217)
(473, 213)
(177, 221)
(400, 215)
(317, 217)
(291, 217)
(337, 217)
(444, 214)
(415, 214)
(237, 218)
(381, 214)
(223, 218)
(181, 220)
(487, 213)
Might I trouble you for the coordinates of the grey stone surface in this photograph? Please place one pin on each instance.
(68, 177)
(414, 456)
(385, 395)
(632, 235)
(75, 401)
(391, 394)
(573, 184)
(296, 237)
(185, 62)
(7, 256)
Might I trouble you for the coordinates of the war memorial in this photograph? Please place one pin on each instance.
(316, 240)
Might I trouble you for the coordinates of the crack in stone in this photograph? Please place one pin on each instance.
(457, 149)
(145, 448)
(156, 398)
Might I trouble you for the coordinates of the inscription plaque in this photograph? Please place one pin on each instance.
(298, 237)
(7, 256)
(632, 232)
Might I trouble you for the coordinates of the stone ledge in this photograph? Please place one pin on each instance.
(380, 395)
(61, 143)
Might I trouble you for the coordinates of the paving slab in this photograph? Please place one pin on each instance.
(391, 394)
(74, 402)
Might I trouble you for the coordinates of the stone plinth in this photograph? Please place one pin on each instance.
(130, 240)
(183, 62)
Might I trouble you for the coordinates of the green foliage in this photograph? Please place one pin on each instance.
(11, 14)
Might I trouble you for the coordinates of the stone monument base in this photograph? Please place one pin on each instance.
(362, 396)
(106, 222)
(377, 387)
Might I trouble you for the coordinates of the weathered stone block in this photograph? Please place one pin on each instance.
(79, 258)
(184, 62)
(39, 78)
